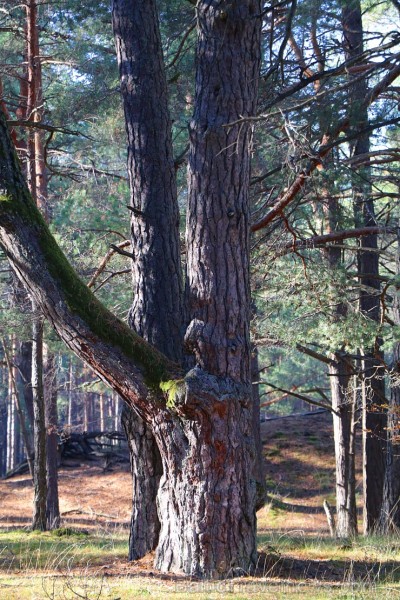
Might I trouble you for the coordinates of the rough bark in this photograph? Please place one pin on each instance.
(205, 434)
(50, 391)
(344, 434)
(39, 429)
(156, 312)
(390, 512)
(146, 470)
(216, 451)
(374, 415)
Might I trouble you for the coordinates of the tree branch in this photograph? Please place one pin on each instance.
(302, 397)
(290, 194)
(121, 358)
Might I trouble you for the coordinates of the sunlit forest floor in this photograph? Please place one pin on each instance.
(86, 558)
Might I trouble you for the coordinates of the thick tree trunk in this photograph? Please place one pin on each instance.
(374, 420)
(207, 499)
(39, 438)
(211, 524)
(203, 422)
(156, 313)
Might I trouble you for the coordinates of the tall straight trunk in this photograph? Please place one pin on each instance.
(40, 477)
(374, 419)
(207, 490)
(343, 402)
(71, 415)
(11, 426)
(24, 362)
(51, 415)
(156, 313)
(18, 405)
(390, 513)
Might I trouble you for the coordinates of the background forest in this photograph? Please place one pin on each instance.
(325, 262)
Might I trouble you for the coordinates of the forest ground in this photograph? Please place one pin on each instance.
(86, 558)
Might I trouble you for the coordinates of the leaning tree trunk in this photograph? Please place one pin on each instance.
(374, 420)
(156, 313)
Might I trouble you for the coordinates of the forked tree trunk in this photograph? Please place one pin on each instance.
(374, 419)
(204, 432)
(156, 313)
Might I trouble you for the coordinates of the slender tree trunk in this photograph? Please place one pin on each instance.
(19, 407)
(374, 420)
(156, 313)
(52, 504)
(344, 418)
(24, 362)
(40, 480)
(71, 387)
(11, 425)
(259, 462)
(390, 513)
(343, 402)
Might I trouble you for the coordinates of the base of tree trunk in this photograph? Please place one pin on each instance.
(146, 470)
(207, 492)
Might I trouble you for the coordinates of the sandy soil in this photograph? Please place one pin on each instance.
(300, 475)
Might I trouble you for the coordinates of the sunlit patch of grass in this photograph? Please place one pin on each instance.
(370, 549)
(22, 550)
(126, 588)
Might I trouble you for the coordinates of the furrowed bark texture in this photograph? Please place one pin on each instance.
(146, 470)
(344, 435)
(156, 313)
(50, 396)
(157, 304)
(205, 435)
(207, 489)
(374, 414)
(39, 440)
(209, 494)
(390, 513)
